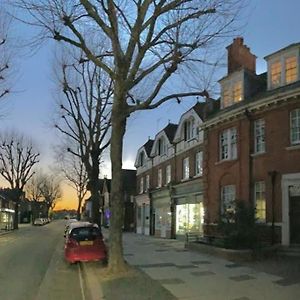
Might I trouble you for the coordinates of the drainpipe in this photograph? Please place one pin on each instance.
(273, 174)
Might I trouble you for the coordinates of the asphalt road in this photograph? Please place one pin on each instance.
(32, 266)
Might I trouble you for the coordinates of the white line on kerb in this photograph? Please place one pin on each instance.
(81, 282)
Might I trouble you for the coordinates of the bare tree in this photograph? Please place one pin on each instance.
(151, 43)
(74, 172)
(84, 122)
(17, 158)
(4, 52)
(50, 190)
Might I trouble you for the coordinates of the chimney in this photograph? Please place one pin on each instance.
(239, 56)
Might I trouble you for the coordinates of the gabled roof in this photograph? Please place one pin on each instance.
(199, 108)
(291, 46)
(148, 146)
(170, 131)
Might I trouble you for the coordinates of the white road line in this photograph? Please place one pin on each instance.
(81, 282)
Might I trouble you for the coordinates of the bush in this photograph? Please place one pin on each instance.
(238, 226)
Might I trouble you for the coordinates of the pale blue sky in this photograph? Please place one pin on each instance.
(271, 25)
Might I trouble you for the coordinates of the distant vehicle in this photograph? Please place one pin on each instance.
(38, 222)
(84, 242)
(69, 222)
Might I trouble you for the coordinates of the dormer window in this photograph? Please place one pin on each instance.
(142, 159)
(161, 146)
(283, 68)
(189, 129)
(290, 69)
(275, 73)
(232, 90)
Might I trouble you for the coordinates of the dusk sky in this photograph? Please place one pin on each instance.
(269, 26)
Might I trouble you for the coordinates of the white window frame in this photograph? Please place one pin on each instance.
(147, 182)
(259, 136)
(232, 91)
(295, 126)
(228, 197)
(186, 168)
(168, 174)
(228, 144)
(189, 129)
(260, 195)
(286, 70)
(199, 163)
(159, 177)
(161, 146)
(141, 185)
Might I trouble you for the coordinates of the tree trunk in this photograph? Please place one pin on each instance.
(116, 263)
(16, 216)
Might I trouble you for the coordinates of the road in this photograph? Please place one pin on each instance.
(32, 266)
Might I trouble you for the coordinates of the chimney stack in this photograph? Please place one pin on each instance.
(239, 56)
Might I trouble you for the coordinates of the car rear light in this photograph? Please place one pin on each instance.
(72, 242)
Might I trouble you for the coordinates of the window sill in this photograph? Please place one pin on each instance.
(198, 175)
(185, 179)
(293, 147)
(257, 154)
(225, 161)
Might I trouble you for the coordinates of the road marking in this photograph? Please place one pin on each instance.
(81, 282)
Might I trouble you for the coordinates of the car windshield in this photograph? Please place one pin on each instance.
(85, 233)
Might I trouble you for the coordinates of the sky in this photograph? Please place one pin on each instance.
(269, 26)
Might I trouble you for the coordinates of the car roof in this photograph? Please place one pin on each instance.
(82, 224)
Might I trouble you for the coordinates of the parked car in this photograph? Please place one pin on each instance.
(84, 242)
(38, 222)
(69, 222)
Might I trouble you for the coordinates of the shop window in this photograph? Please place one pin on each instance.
(259, 136)
(295, 126)
(260, 201)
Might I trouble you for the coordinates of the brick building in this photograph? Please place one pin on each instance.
(252, 144)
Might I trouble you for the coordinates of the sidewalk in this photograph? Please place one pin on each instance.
(171, 272)
(21, 226)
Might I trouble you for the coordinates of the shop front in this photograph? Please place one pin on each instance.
(142, 203)
(188, 198)
(6, 219)
(162, 214)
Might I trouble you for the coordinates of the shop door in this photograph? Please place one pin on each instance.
(295, 219)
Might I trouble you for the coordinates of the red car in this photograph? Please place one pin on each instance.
(84, 242)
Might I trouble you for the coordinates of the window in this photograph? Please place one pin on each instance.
(147, 182)
(259, 136)
(295, 126)
(159, 178)
(186, 168)
(290, 69)
(189, 130)
(161, 146)
(199, 161)
(168, 174)
(226, 97)
(142, 159)
(228, 144)
(228, 199)
(260, 201)
(275, 74)
(237, 92)
(141, 185)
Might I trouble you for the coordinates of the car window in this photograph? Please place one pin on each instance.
(85, 233)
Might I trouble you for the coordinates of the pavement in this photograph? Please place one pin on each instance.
(174, 272)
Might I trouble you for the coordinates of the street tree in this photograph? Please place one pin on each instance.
(4, 52)
(151, 44)
(18, 156)
(50, 190)
(74, 172)
(85, 107)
